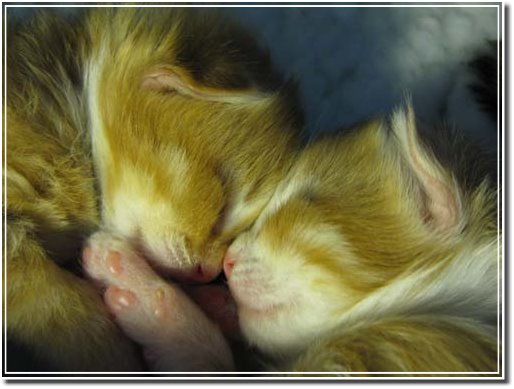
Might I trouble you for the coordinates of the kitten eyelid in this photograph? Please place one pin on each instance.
(220, 220)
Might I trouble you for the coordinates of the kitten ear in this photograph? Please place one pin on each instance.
(441, 198)
(212, 58)
(174, 78)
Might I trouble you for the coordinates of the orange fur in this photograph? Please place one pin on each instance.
(199, 169)
(372, 256)
(176, 169)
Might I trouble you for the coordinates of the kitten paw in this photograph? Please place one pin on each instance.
(158, 315)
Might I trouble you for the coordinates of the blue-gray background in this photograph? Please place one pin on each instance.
(357, 62)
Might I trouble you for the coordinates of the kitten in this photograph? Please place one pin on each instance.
(374, 255)
(165, 127)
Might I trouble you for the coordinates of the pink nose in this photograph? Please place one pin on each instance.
(201, 274)
(228, 265)
(204, 273)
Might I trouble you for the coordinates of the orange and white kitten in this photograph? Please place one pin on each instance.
(374, 255)
(166, 127)
(191, 132)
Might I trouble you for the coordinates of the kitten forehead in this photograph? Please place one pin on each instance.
(287, 189)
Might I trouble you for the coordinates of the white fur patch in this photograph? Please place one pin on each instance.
(467, 286)
(98, 141)
(286, 301)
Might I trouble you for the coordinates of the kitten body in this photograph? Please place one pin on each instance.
(165, 127)
(374, 256)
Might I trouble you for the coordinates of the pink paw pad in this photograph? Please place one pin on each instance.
(119, 299)
(114, 262)
(154, 313)
(159, 303)
(110, 260)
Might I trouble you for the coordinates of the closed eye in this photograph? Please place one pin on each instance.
(220, 221)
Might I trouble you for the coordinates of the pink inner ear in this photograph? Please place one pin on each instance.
(152, 82)
(442, 207)
(442, 204)
(165, 81)
(170, 79)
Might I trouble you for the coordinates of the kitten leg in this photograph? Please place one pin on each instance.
(175, 334)
(58, 315)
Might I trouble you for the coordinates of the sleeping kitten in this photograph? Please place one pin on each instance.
(374, 255)
(165, 127)
(181, 133)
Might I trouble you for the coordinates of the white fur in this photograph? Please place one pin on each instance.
(282, 311)
(299, 295)
(93, 74)
(468, 286)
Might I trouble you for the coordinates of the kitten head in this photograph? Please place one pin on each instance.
(190, 134)
(358, 211)
(285, 277)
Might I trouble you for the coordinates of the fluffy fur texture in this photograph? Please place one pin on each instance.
(373, 256)
(195, 127)
(190, 131)
(363, 246)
